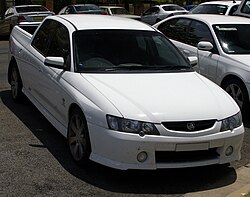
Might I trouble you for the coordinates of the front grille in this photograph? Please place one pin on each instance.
(185, 156)
(189, 126)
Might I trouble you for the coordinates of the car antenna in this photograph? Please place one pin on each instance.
(234, 1)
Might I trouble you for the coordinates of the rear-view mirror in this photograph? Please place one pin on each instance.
(193, 60)
(56, 62)
(205, 46)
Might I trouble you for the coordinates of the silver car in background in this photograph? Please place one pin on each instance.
(25, 16)
(159, 12)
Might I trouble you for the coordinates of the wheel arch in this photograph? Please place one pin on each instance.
(72, 107)
(234, 77)
(231, 77)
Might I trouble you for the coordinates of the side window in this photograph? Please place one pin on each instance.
(60, 43)
(233, 9)
(62, 11)
(148, 12)
(175, 29)
(246, 7)
(199, 32)
(156, 10)
(43, 37)
(68, 10)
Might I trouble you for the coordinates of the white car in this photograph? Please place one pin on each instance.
(223, 48)
(119, 11)
(123, 95)
(28, 17)
(216, 7)
(243, 9)
(158, 12)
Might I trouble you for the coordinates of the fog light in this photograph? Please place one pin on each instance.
(142, 156)
(229, 151)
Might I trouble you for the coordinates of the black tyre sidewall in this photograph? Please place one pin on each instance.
(19, 95)
(85, 159)
(240, 84)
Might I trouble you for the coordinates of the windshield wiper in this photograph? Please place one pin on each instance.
(146, 67)
(129, 66)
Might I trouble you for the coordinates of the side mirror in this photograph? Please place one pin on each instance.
(193, 60)
(56, 62)
(205, 46)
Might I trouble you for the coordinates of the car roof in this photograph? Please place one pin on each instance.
(162, 5)
(20, 6)
(89, 21)
(82, 4)
(110, 6)
(216, 19)
(222, 2)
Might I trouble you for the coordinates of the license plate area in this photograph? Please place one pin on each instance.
(38, 18)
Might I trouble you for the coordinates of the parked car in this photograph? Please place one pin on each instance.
(216, 7)
(243, 9)
(123, 95)
(158, 12)
(26, 16)
(223, 48)
(119, 11)
(81, 9)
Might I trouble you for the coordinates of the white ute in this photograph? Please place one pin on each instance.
(123, 95)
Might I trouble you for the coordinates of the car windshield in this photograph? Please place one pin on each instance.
(80, 8)
(126, 50)
(209, 9)
(31, 9)
(172, 8)
(233, 38)
(119, 11)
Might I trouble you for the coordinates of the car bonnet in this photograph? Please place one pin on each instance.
(164, 96)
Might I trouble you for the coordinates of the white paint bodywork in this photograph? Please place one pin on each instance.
(150, 97)
(217, 66)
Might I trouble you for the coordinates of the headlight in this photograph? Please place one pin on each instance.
(131, 126)
(231, 122)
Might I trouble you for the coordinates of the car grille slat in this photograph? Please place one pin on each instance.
(189, 126)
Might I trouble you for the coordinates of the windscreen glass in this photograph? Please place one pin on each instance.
(209, 9)
(31, 9)
(126, 50)
(233, 38)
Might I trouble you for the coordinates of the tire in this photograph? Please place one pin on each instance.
(16, 84)
(237, 90)
(78, 138)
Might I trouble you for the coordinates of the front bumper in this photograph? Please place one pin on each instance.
(120, 150)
